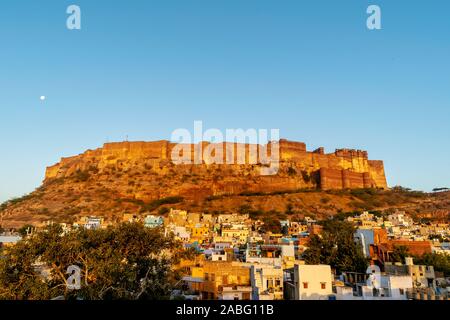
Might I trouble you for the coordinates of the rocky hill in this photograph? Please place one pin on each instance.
(141, 177)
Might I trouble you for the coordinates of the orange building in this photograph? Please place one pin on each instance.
(382, 252)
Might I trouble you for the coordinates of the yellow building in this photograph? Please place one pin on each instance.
(239, 234)
(200, 233)
(219, 274)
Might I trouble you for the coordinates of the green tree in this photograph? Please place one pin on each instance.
(440, 189)
(399, 254)
(289, 209)
(127, 261)
(440, 262)
(336, 247)
(24, 230)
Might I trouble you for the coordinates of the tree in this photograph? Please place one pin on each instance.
(440, 262)
(127, 261)
(289, 209)
(291, 171)
(24, 230)
(440, 189)
(399, 254)
(336, 247)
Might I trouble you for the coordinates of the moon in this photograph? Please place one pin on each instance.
(42, 98)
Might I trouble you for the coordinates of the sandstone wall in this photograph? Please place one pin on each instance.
(345, 179)
(342, 169)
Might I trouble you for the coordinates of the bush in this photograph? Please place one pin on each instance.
(81, 176)
(164, 210)
(245, 209)
(306, 177)
(291, 171)
(157, 203)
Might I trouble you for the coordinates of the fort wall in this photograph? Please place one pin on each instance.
(345, 168)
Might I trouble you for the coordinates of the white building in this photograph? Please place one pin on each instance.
(235, 293)
(378, 286)
(218, 256)
(308, 282)
(9, 240)
(267, 282)
(288, 250)
(180, 233)
(400, 219)
(90, 223)
(264, 260)
(390, 288)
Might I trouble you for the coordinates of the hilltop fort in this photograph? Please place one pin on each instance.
(136, 178)
(299, 168)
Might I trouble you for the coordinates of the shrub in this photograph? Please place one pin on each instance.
(163, 211)
(291, 171)
(306, 177)
(81, 176)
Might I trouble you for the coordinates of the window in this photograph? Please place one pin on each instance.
(305, 285)
(323, 285)
(402, 291)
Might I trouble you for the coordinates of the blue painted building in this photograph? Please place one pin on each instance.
(152, 221)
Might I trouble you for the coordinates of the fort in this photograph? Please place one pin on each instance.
(342, 169)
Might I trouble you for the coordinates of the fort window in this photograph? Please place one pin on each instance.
(323, 285)
(305, 285)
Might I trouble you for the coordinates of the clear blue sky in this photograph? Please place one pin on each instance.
(145, 68)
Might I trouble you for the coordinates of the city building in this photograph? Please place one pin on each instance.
(266, 282)
(152, 221)
(308, 282)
